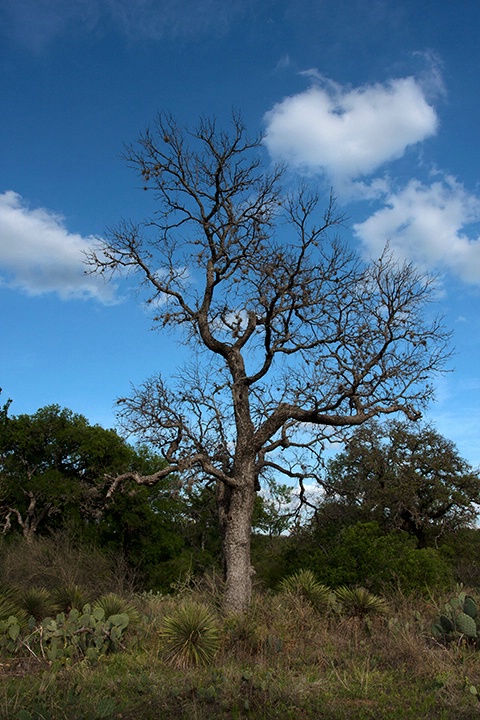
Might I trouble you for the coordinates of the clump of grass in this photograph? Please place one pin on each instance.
(190, 635)
(359, 603)
(304, 584)
(58, 560)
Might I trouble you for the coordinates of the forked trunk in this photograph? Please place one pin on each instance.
(235, 512)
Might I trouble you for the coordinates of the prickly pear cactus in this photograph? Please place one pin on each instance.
(470, 607)
(68, 636)
(465, 625)
(446, 624)
(461, 619)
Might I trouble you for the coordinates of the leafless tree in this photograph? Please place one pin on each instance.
(292, 336)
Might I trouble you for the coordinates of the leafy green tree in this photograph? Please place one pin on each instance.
(52, 469)
(404, 476)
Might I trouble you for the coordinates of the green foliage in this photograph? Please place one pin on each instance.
(147, 525)
(36, 602)
(304, 584)
(461, 549)
(359, 602)
(364, 555)
(9, 633)
(9, 605)
(191, 636)
(52, 465)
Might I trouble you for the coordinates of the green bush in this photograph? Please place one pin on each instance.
(363, 555)
(36, 602)
(113, 604)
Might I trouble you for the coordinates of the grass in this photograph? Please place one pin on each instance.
(282, 660)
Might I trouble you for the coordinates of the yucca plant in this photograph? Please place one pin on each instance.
(37, 602)
(113, 604)
(304, 584)
(191, 636)
(360, 603)
(68, 597)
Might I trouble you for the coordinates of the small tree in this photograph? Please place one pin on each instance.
(406, 477)
(292, 336)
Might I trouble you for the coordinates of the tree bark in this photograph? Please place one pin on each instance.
(235, 505)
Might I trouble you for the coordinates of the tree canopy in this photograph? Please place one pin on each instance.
(404, 476)
(53, 465)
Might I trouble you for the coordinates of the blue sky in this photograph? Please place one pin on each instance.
(379, 99)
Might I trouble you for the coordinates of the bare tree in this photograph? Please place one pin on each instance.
(293, 337)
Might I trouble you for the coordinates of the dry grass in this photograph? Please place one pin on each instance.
(56, 561)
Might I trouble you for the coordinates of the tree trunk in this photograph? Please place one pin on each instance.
(235, 506)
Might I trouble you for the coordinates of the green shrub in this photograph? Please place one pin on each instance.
(68, 597)
(66, 637)
(363, 555)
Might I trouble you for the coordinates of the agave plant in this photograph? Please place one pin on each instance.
(113, 604)
(37, 602)
(359, 602)
(191, 636)
(304, 584)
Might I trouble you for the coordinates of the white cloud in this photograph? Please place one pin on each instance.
(426, 223)
(38, 255)
(349, 133)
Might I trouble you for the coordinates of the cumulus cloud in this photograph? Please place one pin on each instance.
(349, 133)
(428, 223)
(39, 255)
